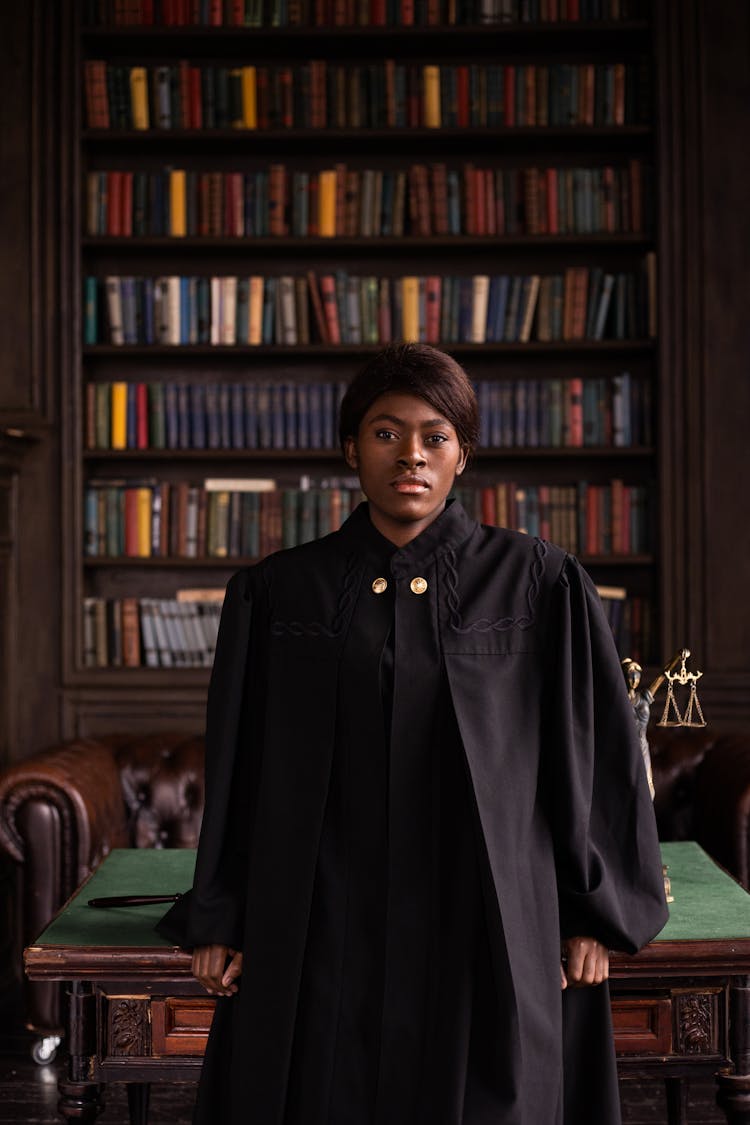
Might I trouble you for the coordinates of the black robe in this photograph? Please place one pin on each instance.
(511, 732)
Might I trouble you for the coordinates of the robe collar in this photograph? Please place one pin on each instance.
(451, 528)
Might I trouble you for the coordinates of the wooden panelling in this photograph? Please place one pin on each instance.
(180, 1025)
(642, 1027)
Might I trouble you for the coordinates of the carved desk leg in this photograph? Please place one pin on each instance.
(80, 1098)
(734, 1089)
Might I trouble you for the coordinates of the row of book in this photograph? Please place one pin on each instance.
(376, 95)
(181, 632)
(351, 13)
(613, 519)
(342, 308)
(235, 518)
(152, 632)
(423, 200)
(575, 413)
(550, 413)
(241, 518)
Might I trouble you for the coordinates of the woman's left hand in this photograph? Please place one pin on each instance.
(585, 961)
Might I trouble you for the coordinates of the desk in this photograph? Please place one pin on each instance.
(680, 1007)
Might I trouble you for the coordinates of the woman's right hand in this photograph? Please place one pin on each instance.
(210, 968)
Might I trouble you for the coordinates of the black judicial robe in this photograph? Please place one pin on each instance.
(509, 647)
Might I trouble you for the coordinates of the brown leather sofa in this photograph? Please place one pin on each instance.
(62, 810)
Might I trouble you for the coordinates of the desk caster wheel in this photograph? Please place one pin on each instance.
(44, 1051)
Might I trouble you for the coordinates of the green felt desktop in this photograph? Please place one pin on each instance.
(708, 904)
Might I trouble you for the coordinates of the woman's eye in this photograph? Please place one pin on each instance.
(384, 433)
(437, 439)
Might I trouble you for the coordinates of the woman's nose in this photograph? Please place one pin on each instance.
(412, 454)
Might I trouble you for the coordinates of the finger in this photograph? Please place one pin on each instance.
(563, 978)
(232, 972)
(576, 956)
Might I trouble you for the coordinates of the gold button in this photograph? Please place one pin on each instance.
(379, 586)
(418, 585)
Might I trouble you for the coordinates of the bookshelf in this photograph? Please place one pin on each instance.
(603, 239)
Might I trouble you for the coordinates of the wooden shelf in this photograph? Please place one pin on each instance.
(127, 563)
(435, 244)
(243, 351)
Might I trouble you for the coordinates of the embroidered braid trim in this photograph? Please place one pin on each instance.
(316, 628)
(484, 625)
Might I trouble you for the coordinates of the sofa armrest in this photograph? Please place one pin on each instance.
(722, 804)
(61, 811)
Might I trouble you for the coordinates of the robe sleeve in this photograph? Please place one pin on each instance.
(213, 910)
(607, 856)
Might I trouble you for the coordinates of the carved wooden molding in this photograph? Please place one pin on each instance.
(128, 1026)
(697, 1029)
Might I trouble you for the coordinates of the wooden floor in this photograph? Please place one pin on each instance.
(28, 1093)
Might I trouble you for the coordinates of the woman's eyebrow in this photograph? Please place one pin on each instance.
(400, 422)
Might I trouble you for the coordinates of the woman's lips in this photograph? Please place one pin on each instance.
(410, 485)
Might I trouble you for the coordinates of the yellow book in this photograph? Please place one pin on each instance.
(431, 75)
(327, 204)
(255, 311)
(119, 409)
(177, 203)
(410, 309)
(143, 512)
(139, 97)
(249, 98)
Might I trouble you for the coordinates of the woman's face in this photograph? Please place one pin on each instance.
(407, 456)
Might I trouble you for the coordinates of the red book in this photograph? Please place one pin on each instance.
(261, 93)
(97, 101)
(439, 192)
(489, 505)
(237, 13)
(541, 210)
(312, 207)
(215, 13)
(185, 117)
(228, 207)
(544, 514)
(141, 415)
(385, 319)
(480, 206)
(530, 95)
(593, 538)
(147, 13)
(413, 96)
(168, 17)
(114, 203)
(407, 13)
(617, 490)
(575, 412)
(499, 202)
(432, 288)
(509, 95)
(287, 97)
(552, 201)
(390, 92)
(126, 209)
(490, 223)
(196, 103)
(573, 11)
(131, 634)
(131, 522)
(330, 308)
(378, 13)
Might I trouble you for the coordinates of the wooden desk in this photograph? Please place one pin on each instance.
(681, 1007)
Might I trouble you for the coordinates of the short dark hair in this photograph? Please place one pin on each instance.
(414, 369)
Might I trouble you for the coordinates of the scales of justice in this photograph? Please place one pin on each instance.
(672, 716)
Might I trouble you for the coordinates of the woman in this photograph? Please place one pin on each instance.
(423, 782)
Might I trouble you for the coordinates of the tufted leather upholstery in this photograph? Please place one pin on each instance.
(62, 810)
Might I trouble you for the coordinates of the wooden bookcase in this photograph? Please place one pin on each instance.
(152, 697)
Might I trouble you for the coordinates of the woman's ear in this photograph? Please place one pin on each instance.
(350, 453)
(462, 462)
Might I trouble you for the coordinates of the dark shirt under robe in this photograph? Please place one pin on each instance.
(397, 1007)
